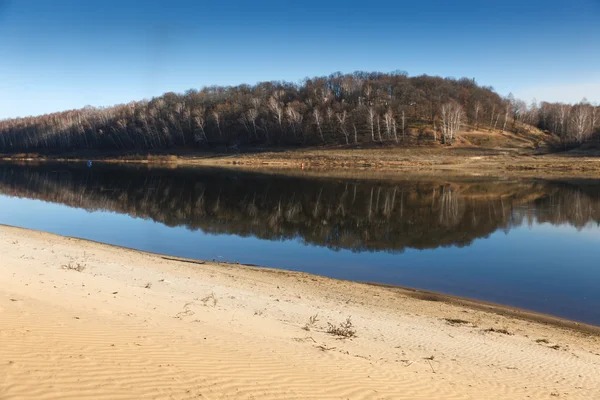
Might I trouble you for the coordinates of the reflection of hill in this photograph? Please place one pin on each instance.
(356, 215)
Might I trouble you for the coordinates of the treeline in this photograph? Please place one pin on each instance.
(354, 108)
(338, 214)
(573, 124)
(340, 108)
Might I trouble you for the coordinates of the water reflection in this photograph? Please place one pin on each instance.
(540, 252)
(366, 215)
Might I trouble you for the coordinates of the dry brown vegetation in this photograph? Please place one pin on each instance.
(311, 322)
(498, 330)
(210, 299)
(358, 109)
(74, 267)
(344, 329)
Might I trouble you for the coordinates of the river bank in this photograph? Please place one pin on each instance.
(87, 320)
(425, 159)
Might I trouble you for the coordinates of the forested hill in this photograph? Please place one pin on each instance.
(352, 108)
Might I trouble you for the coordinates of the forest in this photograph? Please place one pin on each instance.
(362, 107)
(338, 214)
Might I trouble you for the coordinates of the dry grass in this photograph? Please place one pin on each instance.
(501, 331)
(456, 321)
(209, 299)
(74, 267)
(311, 322)
(344, 329)
(162, 158)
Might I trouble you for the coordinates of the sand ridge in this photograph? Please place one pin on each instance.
(133, 325)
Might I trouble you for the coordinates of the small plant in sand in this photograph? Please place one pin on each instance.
(148, 285)
(74, 267)
(209, 299)
(187, 311)
(344, 329)
(501, 331)
(311, 322)
(456, 321)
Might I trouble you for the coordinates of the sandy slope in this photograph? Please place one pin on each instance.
(137, 326)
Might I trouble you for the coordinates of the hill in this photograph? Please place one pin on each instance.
(362, 108)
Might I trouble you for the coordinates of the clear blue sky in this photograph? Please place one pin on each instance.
(59, 54)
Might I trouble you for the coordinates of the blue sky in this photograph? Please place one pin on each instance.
(59, 54)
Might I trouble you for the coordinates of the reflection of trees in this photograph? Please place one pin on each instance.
(356, 215)
(450, 210)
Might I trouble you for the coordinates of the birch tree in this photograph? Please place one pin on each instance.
(341, 118)
(580, 121)
(276, 107)
(371, 121)
(452, 115)
(477, 108)
(217, 117)
(318, 122)
(594, 117)
(200, 121)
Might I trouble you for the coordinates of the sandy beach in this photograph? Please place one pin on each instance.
(83, 320)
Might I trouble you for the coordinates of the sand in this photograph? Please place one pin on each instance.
(133, 325)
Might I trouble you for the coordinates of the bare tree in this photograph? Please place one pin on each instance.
(452, 115)
(200, 120)
(295, 117)
(318, 121)
(252, 116)
(276, 108)
(371, 121)
(506, 113)
(580, 121)
(492, 117)
(563, 112)
(217, 117)
(403, 120)
(341, 117)
(477, 108)
(390, 124)
(594, 117)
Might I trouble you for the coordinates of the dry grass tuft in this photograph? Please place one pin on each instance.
(311, 322)
(344, 329)
(74, 267)
(502, 331)
(210, 298)
(456, 321)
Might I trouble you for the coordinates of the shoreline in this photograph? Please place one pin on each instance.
(496, 308)
(166, 327)
(417, 293)
(342, 162)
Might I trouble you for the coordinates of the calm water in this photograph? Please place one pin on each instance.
(528, 243)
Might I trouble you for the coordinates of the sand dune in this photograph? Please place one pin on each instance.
(132, 325)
